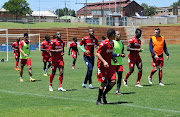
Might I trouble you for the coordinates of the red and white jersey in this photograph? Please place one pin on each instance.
(45, 45)
(55, 45)
(15, 45)
(89, 44)
(106, 50)
(73, 45)
(135, 44)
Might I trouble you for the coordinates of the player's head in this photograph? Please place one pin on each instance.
(75, 39)
(118, 35)
(25, 35)
(138, 33)
(18, 39)
(54, 36)
(103, 37)
(47, 37)
(91, 32)
(111, 34)
(157, 32)
(58, 35)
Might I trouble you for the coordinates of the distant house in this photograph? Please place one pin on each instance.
(168, 10)
(99, 9)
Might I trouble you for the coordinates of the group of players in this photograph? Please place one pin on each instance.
(109, 53)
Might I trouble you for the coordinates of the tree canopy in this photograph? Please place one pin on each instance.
(17, 7)
(65, 11)
(148, 10)
(176, 3)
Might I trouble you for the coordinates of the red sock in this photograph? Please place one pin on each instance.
(127, 76)
(16, 64)
(60, 80)
(160, 76)
(139, 77)
(152, 72)
(51, 79)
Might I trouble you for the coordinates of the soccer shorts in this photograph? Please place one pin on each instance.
(133, 61)
(74, 54)
(16, 56)
(114, 69)
(157, 62)
(46, 58)
(57, 63)
(104, 74)
(25, 62)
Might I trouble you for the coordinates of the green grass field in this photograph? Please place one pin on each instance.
(34, 99)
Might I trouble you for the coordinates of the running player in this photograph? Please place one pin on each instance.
(24, 47)
(156, 46)
(15, 47)
(57, 51)
(45, 54)
(73, 46)
(104, 73)
(134, 57)
(89, 43)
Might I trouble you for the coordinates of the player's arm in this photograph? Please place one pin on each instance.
(129, 48)
(101, 59)
(42, 48)
(165, 50)
(151, 49)
(123, 54)
(23, 52)
(97, 44)
(69, 50)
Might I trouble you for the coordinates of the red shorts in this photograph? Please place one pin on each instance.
(57, 63)
(157, 62)
(74, 54)
(25, 62)
(116, 68)
(133, 61)
(104, 74)
(16, 56)
(46, 58)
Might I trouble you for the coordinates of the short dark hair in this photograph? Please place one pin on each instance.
(47, 37)
(103, 37)
(157, 29)
(54, 36)
(138, 29)
(25, 34)
(110, 32)
(74, 38)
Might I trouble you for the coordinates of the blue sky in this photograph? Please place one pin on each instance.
(71, 4)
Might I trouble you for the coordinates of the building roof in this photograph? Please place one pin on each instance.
(3, 10)
(44, 13)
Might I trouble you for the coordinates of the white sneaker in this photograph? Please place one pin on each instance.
(90, 86)
(138, 85)
(61, 89)
(150, 80)
(50, 88)
(84, 85)
(45, 74)
(161, 84)
(125, 83)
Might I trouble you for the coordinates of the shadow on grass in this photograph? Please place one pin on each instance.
(129, 93)
(146, 85)
(120, 102)
(71, 90)
(37, 80)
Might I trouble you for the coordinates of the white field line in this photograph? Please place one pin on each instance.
(46, 96)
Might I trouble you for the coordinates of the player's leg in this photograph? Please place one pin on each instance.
(100, 93)
(21, 72)
(54, 66)
(90, 70)
(155, 67)
(28, 62)
(131, 70)
(61, 71)
(74, 62)
(160, 76)
(74, 56)
(139, 66)
(119, 82)
(44, 69)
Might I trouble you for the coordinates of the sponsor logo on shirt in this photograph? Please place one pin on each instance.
(90, 43)
(109, 50)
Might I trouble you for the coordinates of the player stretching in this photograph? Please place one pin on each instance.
(89, 42)
(24, 47)
(73, 46)
(104, 73)
(45, 54)
(15, 47)
(57, 51)
(156, 46)
(134, 57)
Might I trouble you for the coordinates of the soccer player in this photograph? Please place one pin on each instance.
(15, 47)
(134, 47)
(57, 51)
(156, 46)
(89, 43)
(45, 54)
(73, 46)
(104, 73)
(117, 67)
(24, 47)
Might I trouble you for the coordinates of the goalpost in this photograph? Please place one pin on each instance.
(3, 45)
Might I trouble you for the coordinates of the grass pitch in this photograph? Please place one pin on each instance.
(33, 98)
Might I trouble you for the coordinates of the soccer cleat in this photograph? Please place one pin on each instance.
(98, 102)
(90, 86)
(15, 68)
(21, 80)
(138, 85)
(32, 80)
(104, 99)
(84, 85)
(73, 67)
(118, 93)
(125, 83)
(50, 88)
(61, 89)
(161, 84)
(18, 69)
(45, 74)
(150, 80)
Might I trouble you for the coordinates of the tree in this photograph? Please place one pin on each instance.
(59, 12)
(176, 3)
(148, 10)
(73, 13)
(65, 11)
(17, 7)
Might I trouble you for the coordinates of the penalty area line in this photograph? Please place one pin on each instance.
(75, 99)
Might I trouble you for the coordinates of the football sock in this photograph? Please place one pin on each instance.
(160, 76)
(127, 76)
(108, 88)
(119, 80)
(16, 64)
(139, 77)
(51, 79)
(60, 80)
(20, 77)
(100, 94)
(152, 72)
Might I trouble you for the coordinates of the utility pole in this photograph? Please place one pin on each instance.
(115, 6)
(66, 21)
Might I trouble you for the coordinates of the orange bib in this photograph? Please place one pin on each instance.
(158, 45)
